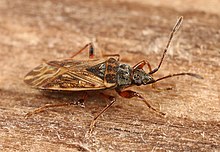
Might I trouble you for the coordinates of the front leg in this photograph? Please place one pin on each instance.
(131, 94)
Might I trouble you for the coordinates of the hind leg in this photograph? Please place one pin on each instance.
(48, 106)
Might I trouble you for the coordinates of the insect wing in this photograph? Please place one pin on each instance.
(66, 75)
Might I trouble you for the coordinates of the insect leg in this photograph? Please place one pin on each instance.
(154, 86)
(81, 101)
(131, 94)
(43, 108)
(112, 101)
(141, 64)
(91, 50)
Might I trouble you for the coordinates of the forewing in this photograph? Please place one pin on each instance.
(66, 75)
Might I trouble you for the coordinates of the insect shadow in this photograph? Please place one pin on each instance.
(69, 75)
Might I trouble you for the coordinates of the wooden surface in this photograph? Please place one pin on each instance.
(38, 30)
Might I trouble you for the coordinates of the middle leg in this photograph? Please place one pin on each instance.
(112, 101)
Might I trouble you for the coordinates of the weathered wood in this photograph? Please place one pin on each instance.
(37, 30)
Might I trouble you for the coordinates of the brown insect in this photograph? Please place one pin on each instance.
(96, 74)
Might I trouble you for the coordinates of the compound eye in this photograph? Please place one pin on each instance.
(136, 76)
(137, 79)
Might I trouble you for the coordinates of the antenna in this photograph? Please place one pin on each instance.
(175, 28)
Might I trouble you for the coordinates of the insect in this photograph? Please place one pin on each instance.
(97, 74)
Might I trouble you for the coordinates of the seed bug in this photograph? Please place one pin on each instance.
(97, 74)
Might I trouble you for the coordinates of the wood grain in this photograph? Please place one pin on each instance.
(46, 30)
